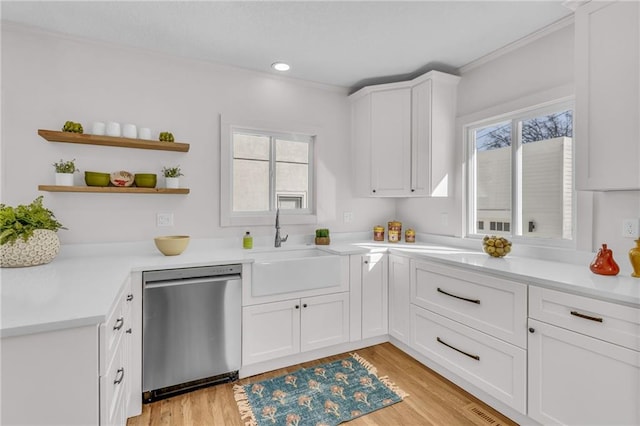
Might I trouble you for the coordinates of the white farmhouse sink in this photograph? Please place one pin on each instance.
(288, 271)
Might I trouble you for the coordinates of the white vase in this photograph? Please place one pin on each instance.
(40, 248)
(172, 182)
(64, 179)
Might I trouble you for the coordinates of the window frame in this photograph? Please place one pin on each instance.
(515, 116)
(285, 130)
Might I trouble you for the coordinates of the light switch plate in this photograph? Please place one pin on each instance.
(630, 228)
(164, 219)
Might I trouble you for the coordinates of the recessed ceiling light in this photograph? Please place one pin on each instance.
(280, 66)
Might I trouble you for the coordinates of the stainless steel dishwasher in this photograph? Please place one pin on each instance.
(191, 335)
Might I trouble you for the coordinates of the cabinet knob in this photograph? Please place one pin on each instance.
(128, 331)
(304, 305)
(413, 190)
(532, 330)
(366, 262)
(297, 306)
(374, 191)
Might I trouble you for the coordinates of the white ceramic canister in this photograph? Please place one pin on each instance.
(113, 129)
(129, 131)
(98, 128)
(144, 133)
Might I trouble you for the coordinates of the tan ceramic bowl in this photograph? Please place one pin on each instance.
(172, 245)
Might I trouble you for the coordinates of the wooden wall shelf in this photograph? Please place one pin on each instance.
(81, 138)
(113, 189)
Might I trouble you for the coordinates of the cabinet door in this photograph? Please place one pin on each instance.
(270, 330)
(399, 298)
(324, 321)
(608, 96)
(575, 379)
(375, 291)
(391, 142)
(421, 95)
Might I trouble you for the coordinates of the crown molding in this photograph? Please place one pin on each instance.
(551, 28)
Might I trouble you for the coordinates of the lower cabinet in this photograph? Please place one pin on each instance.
(584, 360)
(399, 297)
(274, 330)
(74, 376)
(375, 295)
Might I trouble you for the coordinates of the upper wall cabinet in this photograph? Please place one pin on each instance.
(608, 96)
(403, 137)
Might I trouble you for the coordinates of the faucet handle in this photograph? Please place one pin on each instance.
(284, 240)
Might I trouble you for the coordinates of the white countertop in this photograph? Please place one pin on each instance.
(80, 285)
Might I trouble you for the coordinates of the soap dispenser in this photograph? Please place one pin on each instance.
(247, 241)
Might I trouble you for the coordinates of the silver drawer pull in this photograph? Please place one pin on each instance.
(589, 317)
(477, 301)
(119, 324)
(119, 376)
(476, 357)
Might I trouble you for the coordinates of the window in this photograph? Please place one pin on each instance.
(520, 171)
(263, 170)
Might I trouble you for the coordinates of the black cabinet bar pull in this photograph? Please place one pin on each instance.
(119, 323)
(477, 301)
(476, 357)
(589, 317)
(119, 376)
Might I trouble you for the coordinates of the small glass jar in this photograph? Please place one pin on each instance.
(410, 236)
(394, 236)
(396, 228)
(378, 233)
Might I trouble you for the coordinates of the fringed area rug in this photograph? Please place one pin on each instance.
(325, 395)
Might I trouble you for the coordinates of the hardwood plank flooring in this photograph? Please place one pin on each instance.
(433, 400)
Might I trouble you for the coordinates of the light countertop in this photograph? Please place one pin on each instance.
(79, 287)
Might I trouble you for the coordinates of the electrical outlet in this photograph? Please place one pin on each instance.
(164, 219)
(630, 228)
(347, 217)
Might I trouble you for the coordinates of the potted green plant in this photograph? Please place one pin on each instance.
(172, 176)
(64, 172)
(322, 237)
(28, 235)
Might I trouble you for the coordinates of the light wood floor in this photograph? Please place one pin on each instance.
(432, 399)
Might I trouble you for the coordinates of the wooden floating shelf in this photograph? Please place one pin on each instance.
(81, 138)
(113, 189)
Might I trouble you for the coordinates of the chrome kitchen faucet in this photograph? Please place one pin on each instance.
(279, 240)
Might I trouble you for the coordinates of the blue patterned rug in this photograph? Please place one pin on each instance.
(324, 395)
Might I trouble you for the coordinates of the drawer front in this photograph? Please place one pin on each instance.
(495, 306)
(116, 325)
(607, 321)
(492, 365)
(113, 389)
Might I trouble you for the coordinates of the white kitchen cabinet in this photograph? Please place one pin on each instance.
(399, 297)
(607, 96)
(584, 360)
(71, 372)
(277, 329)
(375, 295)
(474, 325)
(403, 137)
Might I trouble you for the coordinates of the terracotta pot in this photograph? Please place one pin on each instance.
(323, 241)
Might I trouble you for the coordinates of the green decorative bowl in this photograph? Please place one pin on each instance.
(146, 180)
(97, 178)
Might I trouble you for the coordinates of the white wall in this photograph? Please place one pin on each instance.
(48, 79)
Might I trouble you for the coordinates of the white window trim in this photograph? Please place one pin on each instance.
(287, 217)
(524, 106)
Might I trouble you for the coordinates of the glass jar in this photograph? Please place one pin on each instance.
(378, 233)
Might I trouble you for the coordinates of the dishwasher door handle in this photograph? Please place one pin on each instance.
(174, 283)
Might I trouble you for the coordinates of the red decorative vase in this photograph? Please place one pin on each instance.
(604, 264)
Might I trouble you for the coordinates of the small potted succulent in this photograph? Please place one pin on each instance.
(322, 237)
(64, 172)
(28, 235)
(172, 176)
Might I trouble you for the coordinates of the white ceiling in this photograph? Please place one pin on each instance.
(343, 43)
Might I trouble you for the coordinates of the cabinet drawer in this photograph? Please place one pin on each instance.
(112, 330)
(607, 321)
(492, 365)
(492, 305)
(113, 390)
